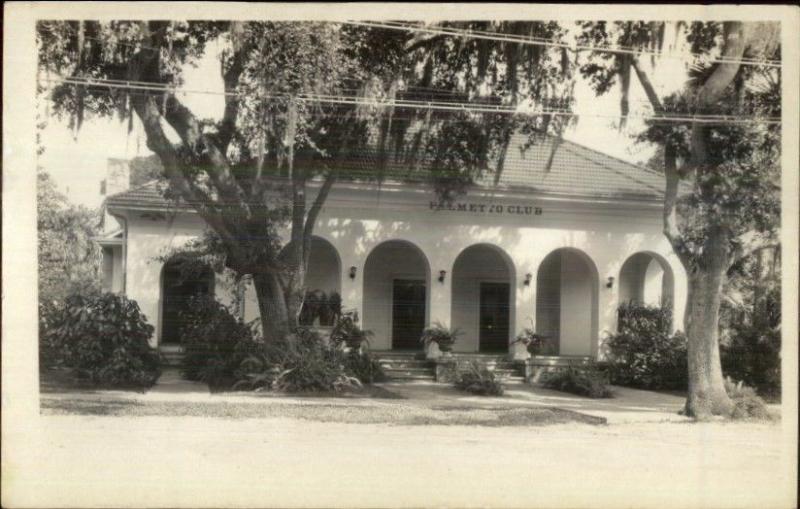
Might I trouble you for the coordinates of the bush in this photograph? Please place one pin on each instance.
(304, 362)
(346, 331)
(746, 403)
(643, 353)
(584, 381)
(364, 366)
(215, 343)
(103, 338)
(750, 346)
(479, 380)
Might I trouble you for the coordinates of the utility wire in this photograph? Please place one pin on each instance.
(500, 37)
(463, 107)
(541, 41)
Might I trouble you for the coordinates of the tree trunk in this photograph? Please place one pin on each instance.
(275, 322)
(707, 395)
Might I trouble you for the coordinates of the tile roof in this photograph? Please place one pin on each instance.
(549, 166)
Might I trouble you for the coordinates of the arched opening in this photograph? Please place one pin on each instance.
(646, 278)
(323, 301)
(482, 304)
(396, 283)
(566, 303)
(182, 278)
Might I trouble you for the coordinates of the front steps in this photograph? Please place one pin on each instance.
(171, 355)
(406, 366)
(412, 366)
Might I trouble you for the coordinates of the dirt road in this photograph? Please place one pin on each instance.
(188, 461)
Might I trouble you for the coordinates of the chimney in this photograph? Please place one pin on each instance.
(117, 181)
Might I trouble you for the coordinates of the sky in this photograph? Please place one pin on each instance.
(78, 161)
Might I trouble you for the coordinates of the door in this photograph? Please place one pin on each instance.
(178, 292)
(408, 313)
(494, 317)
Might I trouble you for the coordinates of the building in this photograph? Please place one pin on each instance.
(563, 238)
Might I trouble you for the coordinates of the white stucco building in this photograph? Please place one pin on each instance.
(563, 238)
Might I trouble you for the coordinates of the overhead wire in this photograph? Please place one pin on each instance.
(465, 107)
(541, 41)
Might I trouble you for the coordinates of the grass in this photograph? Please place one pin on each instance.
(396, 413)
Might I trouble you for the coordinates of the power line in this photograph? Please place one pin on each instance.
(541, 41)
(512, 38)
(463, 107)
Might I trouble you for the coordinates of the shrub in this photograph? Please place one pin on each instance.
(479, 380)
(215, 343)
(306, 363)
(364, 366)
(746, 403)
(102, 338)
(584, 381)
(750, 346)
(643, 353)
(49, 351)
(346, 332)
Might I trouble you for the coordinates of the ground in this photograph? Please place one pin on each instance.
(314, 451)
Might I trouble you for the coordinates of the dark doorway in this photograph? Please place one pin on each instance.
(494, 317)
(178, 289)
(408, 313)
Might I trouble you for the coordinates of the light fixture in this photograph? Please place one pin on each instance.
(528, 278)
(610, 282)
(353, 272)
(442, 273)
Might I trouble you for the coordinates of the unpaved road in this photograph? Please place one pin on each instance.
(87, 461)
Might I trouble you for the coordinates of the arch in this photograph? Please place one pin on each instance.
(567, 303)
(182, 277)
(646, 278)
(483, 298)
(396, 293)
(323, 282)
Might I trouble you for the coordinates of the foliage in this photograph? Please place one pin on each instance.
(585, 381)
(746, 403)
(306, 363)
(317, 305)
(69, 260)
(364, 366)
(535, 343)
(244, 173)
(479, 380)
(750, 324)
(346, 332)
(215, 342)
(103, 338)
(643, 353)
(441, 335)
(145, 169)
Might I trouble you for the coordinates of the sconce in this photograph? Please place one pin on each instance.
(353, 272)
(610, 282)
(442, 273)
(528, 278)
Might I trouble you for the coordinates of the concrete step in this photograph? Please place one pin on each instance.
(401, 364)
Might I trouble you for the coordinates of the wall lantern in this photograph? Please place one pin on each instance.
(610, 282)
(442, 273)
(528, 278)
(353, 272)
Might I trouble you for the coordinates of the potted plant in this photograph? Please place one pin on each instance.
(440, 336)
(346, 331)
(529, 342)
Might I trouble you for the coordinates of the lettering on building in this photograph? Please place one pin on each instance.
(487, 208)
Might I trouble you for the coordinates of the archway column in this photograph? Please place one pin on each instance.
(441, 291)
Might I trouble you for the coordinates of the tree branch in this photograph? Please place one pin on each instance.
(715, 85)
(230, 79)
